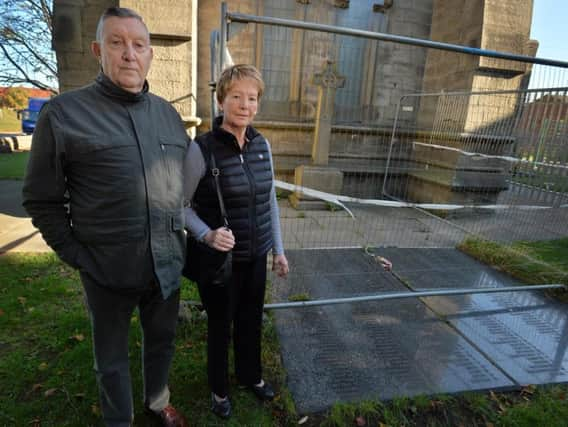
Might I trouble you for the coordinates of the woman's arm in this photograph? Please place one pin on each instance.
(194, 170)
(279, 260)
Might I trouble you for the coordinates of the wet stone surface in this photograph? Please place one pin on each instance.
(405, 347)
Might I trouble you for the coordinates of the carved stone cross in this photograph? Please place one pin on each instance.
(327, 81)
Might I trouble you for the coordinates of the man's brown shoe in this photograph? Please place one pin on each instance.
(170, 417)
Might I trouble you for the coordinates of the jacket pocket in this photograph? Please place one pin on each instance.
(173, 154)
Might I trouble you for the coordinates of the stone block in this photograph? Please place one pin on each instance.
(168, 17)
(67, 26)
(327, 179)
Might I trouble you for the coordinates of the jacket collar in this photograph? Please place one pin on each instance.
(106, 86)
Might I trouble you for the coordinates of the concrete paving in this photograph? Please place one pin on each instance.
(17, 233)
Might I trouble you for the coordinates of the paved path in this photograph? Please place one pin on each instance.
(17, 234)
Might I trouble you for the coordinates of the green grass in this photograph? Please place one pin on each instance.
(9, 121)
(13, 165)
(46, 375)
(544, 262)
(548, 181)
(528, 407)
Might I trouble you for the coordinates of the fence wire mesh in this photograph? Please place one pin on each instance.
(408, 147)
(501, 145)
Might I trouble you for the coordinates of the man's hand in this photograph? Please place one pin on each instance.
(221, 239)
(280, 265)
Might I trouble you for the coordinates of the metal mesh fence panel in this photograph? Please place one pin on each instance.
(386, 141)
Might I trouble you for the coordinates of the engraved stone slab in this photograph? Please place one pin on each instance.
(524, 333)
(371, 350)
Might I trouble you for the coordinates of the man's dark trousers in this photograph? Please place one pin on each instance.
(111, 312)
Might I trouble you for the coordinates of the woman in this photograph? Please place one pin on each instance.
(244, 160)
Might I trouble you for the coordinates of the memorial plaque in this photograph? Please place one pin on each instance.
(371, 350)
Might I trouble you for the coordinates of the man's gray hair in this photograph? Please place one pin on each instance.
(119, 12)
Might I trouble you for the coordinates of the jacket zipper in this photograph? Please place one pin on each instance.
(252, 204)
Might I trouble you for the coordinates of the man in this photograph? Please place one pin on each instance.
(115, 153)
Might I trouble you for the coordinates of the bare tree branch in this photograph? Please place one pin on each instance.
(25, 43)
(37, 56)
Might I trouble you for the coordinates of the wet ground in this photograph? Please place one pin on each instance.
(406, 347)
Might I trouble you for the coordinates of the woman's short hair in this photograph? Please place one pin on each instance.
(237, 72)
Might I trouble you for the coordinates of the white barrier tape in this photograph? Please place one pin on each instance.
(490, 156)
(339, 200)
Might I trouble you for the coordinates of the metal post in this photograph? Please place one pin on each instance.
(223, 36)
(214, 43)
(387, 165)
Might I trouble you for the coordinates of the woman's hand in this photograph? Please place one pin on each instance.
(221, 239)
(280, 265)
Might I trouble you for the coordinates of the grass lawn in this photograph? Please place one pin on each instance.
(9, 121)
(544, 262)
(46, 375)
(13, 165)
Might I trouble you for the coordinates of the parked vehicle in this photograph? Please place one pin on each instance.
(29, 115)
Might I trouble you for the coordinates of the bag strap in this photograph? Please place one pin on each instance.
(215, 172)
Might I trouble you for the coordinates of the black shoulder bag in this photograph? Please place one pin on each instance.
(204, 264)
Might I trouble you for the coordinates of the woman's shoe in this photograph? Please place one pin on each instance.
(264, 392)
(221, 408)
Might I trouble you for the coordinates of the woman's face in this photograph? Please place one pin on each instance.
(240, 104)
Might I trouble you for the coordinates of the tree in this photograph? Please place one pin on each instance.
(25, 44)
(15, 98)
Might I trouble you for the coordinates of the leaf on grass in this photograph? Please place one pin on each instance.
(36, 387)
(1, 312)
(303, 420)
(488, 424)
(42, 366)
(36, 422)
(436, 403)
(528, 389)
(77, 337)
(494, 397)
(95, 410)
(50, 392)
(360, 421)
(22, 300)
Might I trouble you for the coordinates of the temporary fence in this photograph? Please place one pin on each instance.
(380, 151)
(416, 169)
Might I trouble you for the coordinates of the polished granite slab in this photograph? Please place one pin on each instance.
(406, 347)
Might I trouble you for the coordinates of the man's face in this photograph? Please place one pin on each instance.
(125, 53)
